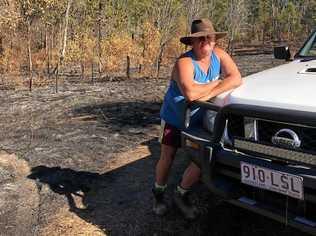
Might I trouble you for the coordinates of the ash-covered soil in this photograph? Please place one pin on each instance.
(84, 163)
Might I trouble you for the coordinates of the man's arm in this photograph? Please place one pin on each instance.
(232, 78)
(183, 73)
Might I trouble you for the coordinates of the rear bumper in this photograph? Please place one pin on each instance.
(221, 174)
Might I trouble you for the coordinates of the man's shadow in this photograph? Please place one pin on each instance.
(118, 201)
(65, 181)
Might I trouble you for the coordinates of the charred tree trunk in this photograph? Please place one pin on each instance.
(159, 60)
(128, 64)
(29, 54)
(140, 67)
(1, 45)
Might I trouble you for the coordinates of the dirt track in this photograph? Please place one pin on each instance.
(91, 150)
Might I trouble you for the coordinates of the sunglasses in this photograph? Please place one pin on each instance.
(207, 38)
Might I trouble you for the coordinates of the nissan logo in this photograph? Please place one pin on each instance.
(292, 142)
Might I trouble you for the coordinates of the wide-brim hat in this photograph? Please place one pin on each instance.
(199, 28)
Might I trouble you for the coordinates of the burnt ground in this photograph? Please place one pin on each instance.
(84, 163)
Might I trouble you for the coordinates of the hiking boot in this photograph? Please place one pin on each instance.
(160, 207)
(183, 203)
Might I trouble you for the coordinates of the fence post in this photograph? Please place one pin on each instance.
(128, 64)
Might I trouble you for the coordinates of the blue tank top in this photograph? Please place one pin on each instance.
(173, 107)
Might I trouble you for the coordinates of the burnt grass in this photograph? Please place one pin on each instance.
(71, 139)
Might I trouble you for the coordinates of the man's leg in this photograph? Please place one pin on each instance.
(163, 166)
(181, 199)
(191, 176)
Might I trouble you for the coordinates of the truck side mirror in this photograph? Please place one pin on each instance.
(282, 52)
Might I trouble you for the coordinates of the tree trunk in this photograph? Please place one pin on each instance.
(82, 65)
(29, 54)
(56, 78)
(50, 50)
(159, 59)
(99, 40)
(1, 45)
(230, 43)
(82, 70)
(128, 64)
(52, 37)
(140, 67)
(56, 70)
(66, 30)
(64, 43)
(42, 41)
(47, 50)
(263, 34)
(92, 72)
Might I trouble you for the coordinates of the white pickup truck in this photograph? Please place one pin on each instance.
(257, 148)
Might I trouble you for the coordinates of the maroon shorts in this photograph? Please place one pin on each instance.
(170, 135)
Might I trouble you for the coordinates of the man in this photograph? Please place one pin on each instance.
(194, 77)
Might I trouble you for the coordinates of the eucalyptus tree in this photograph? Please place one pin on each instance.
(139, 16)
(289, 20)
(235, 19)
(194, 9)
(53, 20)
(305, 14)
(83, 21)
(31, 10)
(253, 29)
(63, 44)
(9, 18)
(165, 15)
(264, 19)
(309, 16)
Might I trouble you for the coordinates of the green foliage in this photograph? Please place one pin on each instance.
(290, 20)
(218, 13)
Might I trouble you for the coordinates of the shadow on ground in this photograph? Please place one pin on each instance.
(119, 202)
(119, 115)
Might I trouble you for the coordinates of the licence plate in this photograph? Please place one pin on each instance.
(277, 181)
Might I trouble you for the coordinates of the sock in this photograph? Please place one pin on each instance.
(181, 190)
(160, 187)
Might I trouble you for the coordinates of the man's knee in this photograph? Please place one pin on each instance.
(167, 152)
